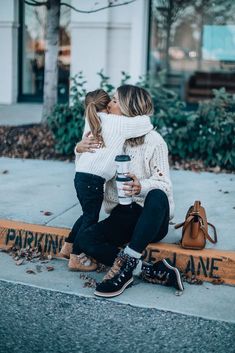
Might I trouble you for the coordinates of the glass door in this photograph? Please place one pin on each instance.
(32, 53)
(193, 43)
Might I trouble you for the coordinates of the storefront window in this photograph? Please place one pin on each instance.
(32, 53)
(193, 41)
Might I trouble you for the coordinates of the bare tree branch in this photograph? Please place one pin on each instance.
(35, 3)
(99, 9)
(45, 3)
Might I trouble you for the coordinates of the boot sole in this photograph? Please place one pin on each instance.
(114, 294)
(179, 280)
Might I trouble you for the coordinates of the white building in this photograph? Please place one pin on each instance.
(194, 44)
(115, 40)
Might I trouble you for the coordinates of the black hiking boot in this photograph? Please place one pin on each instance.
(118, 278)
(162, 272)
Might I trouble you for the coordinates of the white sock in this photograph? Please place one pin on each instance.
(132, 252)
(138, 269)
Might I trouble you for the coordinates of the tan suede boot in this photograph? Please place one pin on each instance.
(81, 263)
(66, 250)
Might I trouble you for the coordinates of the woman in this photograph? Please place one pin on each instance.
(94, 169)
(146, 220)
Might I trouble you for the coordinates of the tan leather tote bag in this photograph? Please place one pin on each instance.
(195, 228)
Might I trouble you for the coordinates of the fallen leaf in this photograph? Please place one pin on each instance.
(217, 281)
(192, 280)
(31, 272)
(47, 213)
(89, 281)
(90, 284)
(19, 262)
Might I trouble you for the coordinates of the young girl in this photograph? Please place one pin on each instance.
(94, 169)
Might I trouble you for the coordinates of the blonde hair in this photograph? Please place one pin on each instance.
(133, 101)
(95, 102)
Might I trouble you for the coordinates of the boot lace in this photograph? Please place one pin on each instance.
(84, 259)
(114, 270)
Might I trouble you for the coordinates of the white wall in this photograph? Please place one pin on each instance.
(113, 39)
(9, 51)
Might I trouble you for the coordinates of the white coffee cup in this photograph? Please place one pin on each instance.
(122, 164)
(122, 197)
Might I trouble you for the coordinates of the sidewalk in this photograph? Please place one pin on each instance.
(20, 114)
(30, 187)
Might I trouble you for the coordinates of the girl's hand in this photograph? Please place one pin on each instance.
(87, 144)
(132, 187)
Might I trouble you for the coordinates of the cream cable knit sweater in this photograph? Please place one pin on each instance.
(115, 130)
(149, 162)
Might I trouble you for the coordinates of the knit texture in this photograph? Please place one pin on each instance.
(115, 130)
(149, 162)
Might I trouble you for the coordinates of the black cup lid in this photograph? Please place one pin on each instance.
(122, 158)
(123, 178)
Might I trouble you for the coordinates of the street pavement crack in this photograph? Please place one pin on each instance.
(60, 214)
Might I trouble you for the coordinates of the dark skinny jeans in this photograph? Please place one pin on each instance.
(90, 190)
(131, 224)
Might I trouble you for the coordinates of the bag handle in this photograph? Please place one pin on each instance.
(214, 241)
(190, 219)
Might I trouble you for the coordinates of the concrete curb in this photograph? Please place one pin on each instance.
(210, 265)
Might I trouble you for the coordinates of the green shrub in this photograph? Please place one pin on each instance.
(169, 116)
(67, 121)
(206, 133)
(214, 140)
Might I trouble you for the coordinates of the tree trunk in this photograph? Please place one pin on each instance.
(201, 23)
(168, 36)
(51, 58)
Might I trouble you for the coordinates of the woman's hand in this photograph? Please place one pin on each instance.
(132, 187)
(87, 144)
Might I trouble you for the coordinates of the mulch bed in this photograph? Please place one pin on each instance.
(36, 141)
(33, 141)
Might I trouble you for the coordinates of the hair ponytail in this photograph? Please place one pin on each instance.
(96, 101)
(94, 121)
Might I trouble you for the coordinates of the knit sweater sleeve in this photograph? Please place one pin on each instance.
(129, 127)
(159, 169)
(137, 126)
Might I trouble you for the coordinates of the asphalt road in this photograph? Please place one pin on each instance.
(35, 320)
